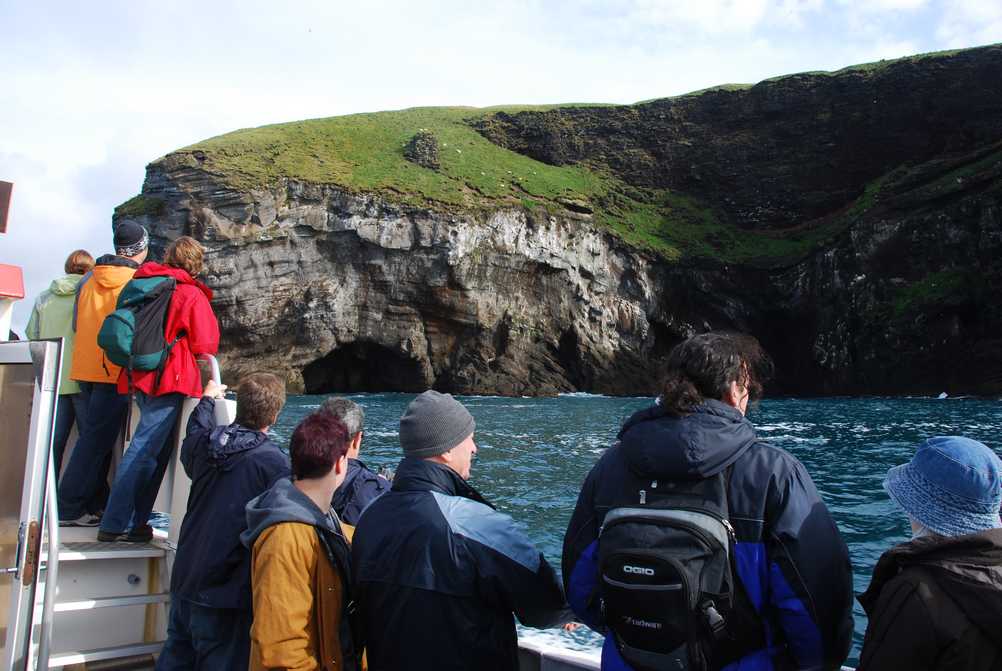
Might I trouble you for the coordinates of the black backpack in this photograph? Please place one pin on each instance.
(351, 633)
(666, 578)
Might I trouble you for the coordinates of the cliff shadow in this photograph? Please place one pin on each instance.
(363, 367)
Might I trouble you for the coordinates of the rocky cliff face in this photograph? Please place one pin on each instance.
(888, 178)
(348, 292)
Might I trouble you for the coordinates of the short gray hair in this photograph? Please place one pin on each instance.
(347, 411)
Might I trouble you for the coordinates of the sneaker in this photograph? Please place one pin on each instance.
(85, 520)
(143, 534)
(110, 536)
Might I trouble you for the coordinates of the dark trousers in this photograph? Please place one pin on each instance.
(70, 410)
(84, 486)
(143, 465)
(205, 639)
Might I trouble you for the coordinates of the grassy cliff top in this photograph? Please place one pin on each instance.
(366, 153)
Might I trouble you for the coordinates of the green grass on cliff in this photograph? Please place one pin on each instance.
(365, 153)
(941, 289)
(139, 206)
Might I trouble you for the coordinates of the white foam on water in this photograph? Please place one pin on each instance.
(798, 440)
(557, 638)
(785, 426)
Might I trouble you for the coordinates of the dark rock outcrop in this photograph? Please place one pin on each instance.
(422, 149)
(349, 291)
(787, 150)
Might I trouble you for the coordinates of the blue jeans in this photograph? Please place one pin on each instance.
(84, 486)
(143, 465)
(205, 639)
(70, 409)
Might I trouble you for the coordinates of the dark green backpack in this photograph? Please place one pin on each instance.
(133, 336)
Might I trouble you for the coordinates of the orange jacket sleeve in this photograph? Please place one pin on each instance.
(282, 579)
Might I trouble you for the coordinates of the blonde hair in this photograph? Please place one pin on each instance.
(79, 262)
(187, 254)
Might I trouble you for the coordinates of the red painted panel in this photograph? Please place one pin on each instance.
(11, 282)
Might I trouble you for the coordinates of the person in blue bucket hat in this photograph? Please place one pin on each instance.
(935, 602)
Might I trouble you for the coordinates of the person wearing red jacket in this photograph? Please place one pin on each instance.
(159, 394)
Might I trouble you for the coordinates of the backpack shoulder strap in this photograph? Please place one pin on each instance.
(351, 626)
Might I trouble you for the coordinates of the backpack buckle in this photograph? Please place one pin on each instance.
(714, 620)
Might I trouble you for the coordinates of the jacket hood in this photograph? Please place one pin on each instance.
(112, 271)
(65, 285)
(699, 445)
(284, 503)
(181, 276)
(968, 568)
(421, 475)
(226, 442)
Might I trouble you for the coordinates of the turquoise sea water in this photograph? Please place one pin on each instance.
(534, 454)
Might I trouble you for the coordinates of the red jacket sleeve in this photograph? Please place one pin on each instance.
(203, 329)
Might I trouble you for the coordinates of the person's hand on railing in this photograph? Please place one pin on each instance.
(214, 389)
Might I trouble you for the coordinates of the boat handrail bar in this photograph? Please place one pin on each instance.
(213, 367)
(51, 566)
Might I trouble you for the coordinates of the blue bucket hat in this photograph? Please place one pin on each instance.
(952, 485)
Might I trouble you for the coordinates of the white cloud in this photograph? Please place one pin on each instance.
(970, 21)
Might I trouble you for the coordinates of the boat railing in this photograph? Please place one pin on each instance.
(130, 579)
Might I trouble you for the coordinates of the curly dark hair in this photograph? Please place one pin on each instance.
(704, 366)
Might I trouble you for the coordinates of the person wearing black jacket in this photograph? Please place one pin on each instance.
(210, 614)
(439, 572)
(935, 602)
(791, 563)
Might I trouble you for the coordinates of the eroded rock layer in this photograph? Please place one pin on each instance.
(342, 290)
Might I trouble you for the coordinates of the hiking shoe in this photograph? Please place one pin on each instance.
(85, 520)
(143, 534)
(110, 536)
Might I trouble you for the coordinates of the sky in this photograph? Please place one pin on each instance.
(92, 92)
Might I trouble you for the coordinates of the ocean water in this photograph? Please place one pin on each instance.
(534, 454)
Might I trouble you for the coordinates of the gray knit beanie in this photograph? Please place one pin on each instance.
(434, 423)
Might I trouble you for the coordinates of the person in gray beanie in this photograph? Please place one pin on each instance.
(438, 568)
(83, 488)
(935, 602)
(436, 426)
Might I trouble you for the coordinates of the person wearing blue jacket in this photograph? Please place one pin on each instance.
(361, 486)
(794, 605)
(210, 614)
(440, 574)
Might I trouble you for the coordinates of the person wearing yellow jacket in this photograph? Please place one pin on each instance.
(83, 489)
(300, 561)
